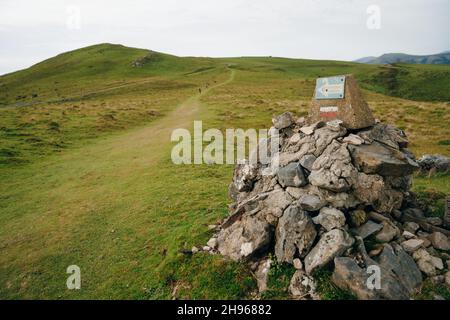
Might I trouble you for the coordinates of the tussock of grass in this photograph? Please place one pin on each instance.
(434, 201)
(223, 279)
(438, 183)
(429, 291)
(280, 275)
(327, 289)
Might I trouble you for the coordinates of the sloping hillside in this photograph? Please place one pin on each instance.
(87, 71)
(80, 72)
(421, 82)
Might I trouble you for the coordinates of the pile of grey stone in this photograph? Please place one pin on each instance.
(340, 200)
(433, 163)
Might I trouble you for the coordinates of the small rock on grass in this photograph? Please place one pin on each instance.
(302, 285)
(298, 264)
(262, 274)
(212, 243)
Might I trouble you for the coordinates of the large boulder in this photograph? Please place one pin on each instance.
(330, 218)
(402, 265)
(283, 121)
(273, 205)
(368, 228)
(398, 275)
(385, 134)
(292, 175)
(295, 233)
(379, 159)
(244, 178)
(348, 275)
(244, 237)
(332, 244)
(333, 170)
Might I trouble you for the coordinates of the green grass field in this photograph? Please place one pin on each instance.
(86, 176)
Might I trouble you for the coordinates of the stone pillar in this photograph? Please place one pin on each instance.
(339, 98)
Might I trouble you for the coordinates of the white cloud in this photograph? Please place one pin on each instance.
(322, 29)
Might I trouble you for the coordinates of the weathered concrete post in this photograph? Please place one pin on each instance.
(340, 98)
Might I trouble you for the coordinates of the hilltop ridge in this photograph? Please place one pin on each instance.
(106, 65)
(438, 58)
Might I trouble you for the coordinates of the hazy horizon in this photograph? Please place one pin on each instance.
(327, 30)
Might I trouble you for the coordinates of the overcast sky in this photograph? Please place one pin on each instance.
(31, 30)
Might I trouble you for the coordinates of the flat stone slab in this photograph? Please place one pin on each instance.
(385, 161)
(412, 245)
(368, 229)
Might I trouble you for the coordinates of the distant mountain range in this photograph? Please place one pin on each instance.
(439, 58)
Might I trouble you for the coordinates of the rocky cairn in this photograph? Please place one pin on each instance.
(339, 199)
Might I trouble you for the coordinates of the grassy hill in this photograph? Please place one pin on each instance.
(86, 175)
(89, 71)
(76, 74)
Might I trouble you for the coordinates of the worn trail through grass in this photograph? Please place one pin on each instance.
(105, 207)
